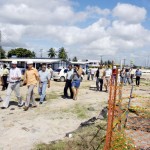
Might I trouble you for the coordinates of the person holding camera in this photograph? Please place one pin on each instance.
(76, 81)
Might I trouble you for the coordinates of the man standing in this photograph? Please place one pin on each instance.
(138, 75)
(92, 73)
(5, 73)
(99, 76)
(50, 70)
(14, 85)
(31, 78)
(68, 82)
(107, 74)
(132, 74)
(44, 78)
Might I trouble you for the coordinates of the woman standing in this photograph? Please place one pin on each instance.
(76, 81)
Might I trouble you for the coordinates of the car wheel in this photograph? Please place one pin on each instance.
(62, 79)
(55, 79)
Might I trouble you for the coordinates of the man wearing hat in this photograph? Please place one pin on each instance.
(31, 78)
(14, 85)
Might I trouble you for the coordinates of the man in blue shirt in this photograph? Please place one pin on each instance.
(138, 75)
(44, 79)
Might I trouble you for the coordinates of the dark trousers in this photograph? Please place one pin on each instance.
(5, 84)
(99, 81)
(137, 80)
(132, 75)
(68, 85)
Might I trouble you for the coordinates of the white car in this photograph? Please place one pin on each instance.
(60, 74)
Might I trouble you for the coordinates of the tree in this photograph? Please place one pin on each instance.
(75, 59)
(21, 52)
(52, 53)
(62, 54)
(2, 53)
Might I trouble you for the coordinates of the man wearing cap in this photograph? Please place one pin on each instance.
(44, 77)
(31, 79)
(14, 85)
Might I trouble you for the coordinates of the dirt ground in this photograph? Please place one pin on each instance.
(20, 130)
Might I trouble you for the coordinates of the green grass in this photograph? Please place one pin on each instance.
(80, 111)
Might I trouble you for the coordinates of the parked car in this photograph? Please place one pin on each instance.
(60, 75)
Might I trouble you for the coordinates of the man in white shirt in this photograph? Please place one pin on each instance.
(50, 71)
(68, 82)
(107, 76)
(14, 85)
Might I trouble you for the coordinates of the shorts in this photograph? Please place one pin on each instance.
(75, 83)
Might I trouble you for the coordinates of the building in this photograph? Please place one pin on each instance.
(55, 63)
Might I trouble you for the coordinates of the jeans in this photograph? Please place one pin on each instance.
(92, 76)
(68, 85)
(42, 91)
(30, 96)
(12, 87)
(101, 84)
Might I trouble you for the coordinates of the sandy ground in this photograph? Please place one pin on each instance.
(20, 130)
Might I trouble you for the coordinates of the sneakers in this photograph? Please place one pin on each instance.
(20, 104)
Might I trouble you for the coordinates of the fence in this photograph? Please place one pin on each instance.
(117, 117)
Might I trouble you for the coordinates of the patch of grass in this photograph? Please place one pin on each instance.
(85, 138)
(80, 111)
(52, 95)
(53, 146)
(121, 142)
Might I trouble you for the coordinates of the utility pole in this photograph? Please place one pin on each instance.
(101, 59)
(41, 50)
(124, 62)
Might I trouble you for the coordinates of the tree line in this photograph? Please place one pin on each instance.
(25, 53)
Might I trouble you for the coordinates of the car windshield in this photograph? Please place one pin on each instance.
(57, 70)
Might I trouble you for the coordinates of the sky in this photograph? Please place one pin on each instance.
(87, 29)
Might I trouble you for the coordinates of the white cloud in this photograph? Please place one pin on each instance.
(129, 13)
(56, 22)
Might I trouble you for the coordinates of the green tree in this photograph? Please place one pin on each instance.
(62, 54)
(21, 52)
(52, 53)
(2, 53)
(75, 59)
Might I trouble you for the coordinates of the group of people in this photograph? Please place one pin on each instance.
(41, 78)
(127, 75)
(32, 78)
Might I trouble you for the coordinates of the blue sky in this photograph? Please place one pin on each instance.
(117, 29)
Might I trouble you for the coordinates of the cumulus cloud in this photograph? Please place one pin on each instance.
(129, 13)
(52, 23)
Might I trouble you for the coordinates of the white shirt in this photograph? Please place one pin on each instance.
(108, 72)
(69, 74)
(14, 73)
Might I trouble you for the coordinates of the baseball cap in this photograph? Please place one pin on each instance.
(14, 62)
(29, 62)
